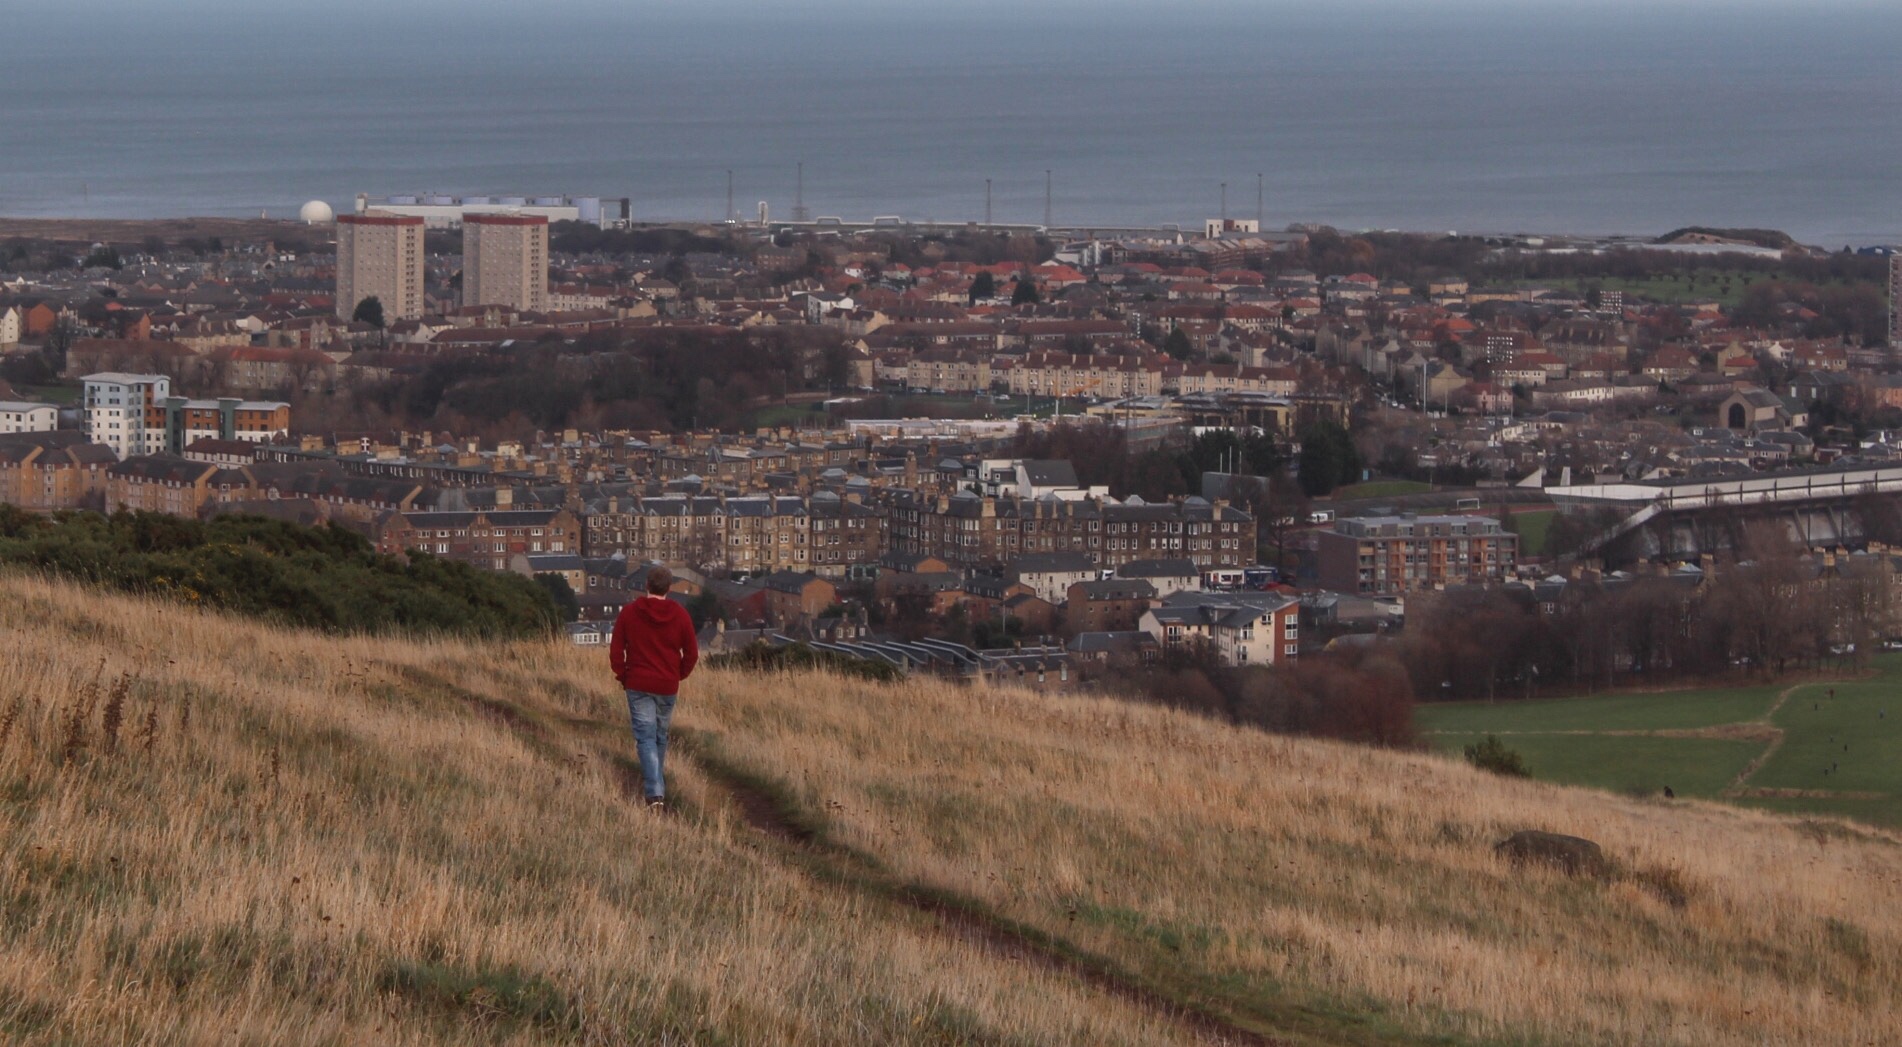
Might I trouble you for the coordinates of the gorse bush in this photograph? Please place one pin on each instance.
(323, 578)
(1491, 754)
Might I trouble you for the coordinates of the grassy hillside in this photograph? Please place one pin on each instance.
(222, 831)
(295, 839)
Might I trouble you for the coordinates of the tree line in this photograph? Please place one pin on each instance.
(665, 379)
(1356, 695)
(1769, 612)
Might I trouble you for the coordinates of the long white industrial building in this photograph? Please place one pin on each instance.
(445, 212)
(1795, 485)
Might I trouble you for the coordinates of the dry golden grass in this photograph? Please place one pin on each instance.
(296, 839)
(271, 837)
(1276, 874)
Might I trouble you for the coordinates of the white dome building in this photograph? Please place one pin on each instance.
(316, 213)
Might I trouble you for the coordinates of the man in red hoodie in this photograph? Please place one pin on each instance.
(652, 651)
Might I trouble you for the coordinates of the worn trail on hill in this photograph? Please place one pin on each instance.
(963, 918)
(1739, 786)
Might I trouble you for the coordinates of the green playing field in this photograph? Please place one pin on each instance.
(1825, 748)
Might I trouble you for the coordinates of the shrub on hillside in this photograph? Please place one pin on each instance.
(314, 577)
(1491, 754)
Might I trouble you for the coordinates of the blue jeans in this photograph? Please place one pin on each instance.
(651, 714)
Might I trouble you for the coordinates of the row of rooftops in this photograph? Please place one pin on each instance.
(1226, 610)
(1410, 525)
(323, 479)
(970, 505)
(63, 446)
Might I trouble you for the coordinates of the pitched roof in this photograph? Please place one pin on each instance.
(1170, 568)
(1052, 563)
(1115, 589)
(1123, 641)
(164, 468)
(1050, 473)
(789, 581)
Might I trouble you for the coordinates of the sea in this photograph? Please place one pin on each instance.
(1545, 116)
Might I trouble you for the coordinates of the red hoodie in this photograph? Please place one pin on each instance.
(653, 647)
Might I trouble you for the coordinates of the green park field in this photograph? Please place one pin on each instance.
(1380, 489)
(795, 415)
(1724, 286)
(1829, 747)
(1532, 528)
(66, 394)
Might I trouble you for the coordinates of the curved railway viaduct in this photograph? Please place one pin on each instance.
(1683, 518)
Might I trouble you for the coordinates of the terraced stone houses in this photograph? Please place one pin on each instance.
(1051, 374)
(756, 534)
(485, 539)
(47, 471)
(972, 531)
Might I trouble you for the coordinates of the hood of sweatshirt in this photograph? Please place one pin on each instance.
(654, 612)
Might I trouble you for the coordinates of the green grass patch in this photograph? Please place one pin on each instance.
(1664, 710)
(1725, 286)
(1856, 737)
(1886, 811)
(1134, 924)
(1846, 749)
(1690, 766)
(970, 405)
(794, 415)
(1532, 529)
(488, 996)
(65, 394)
(1381, 489)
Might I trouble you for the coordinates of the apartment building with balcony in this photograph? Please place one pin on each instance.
(1393, 555)
(135, 414)
(1240, 628)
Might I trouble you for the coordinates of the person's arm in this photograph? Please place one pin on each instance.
(689, 647)
(617, 646)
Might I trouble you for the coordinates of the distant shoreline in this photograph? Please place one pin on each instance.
(133, 230)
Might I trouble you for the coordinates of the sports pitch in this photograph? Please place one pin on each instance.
(1829, 747)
